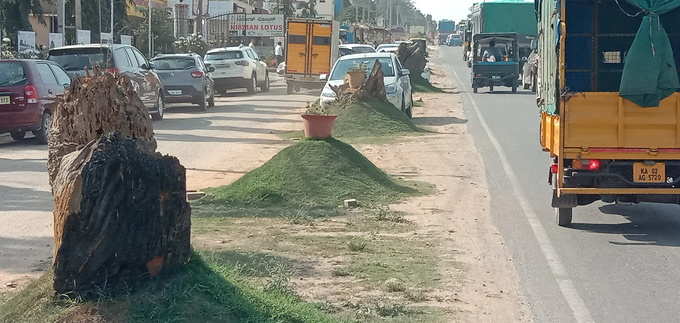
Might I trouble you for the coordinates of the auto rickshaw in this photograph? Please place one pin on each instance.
(495, 61)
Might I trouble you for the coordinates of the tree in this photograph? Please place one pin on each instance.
(309, 9)
(14, 15)
(161, 31)
(91, 14)
(284, 7)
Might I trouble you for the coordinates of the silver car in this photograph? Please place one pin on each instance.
(185, 79)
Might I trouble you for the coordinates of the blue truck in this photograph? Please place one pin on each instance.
(444, 29)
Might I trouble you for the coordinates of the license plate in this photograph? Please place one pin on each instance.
(643, 173)
(496, 77)
(4, 100)
(175, 92)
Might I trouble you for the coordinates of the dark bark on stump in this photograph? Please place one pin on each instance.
(413, 57)
(120, 209)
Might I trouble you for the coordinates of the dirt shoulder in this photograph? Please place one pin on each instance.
(434, 258)
(476, 267)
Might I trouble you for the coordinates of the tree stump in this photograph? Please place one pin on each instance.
(120, 209)
(413, 57)
(372, 87)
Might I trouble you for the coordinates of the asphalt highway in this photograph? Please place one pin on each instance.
(617, 263)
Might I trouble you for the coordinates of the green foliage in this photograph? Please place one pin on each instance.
(312, 173)
(191, 44)
(309, 9)
(90, 17)
(422, 85)
(357, 244)
(14, 16)
(372, 118)
(161, 31)
(205, 290)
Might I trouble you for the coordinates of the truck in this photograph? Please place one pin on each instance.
(505, 16)
(311, 51)
(444, 29)
(609, 103)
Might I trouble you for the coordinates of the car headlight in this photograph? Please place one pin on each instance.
(391, 89)
(328, 93)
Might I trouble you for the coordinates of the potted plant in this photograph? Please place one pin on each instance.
(356, 77)
(318, 123)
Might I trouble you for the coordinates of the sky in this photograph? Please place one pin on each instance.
(445, 9)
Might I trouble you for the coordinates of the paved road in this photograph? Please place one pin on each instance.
(216, 147)
(617, 264)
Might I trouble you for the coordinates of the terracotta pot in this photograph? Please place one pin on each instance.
(318, 127)
(356, 79)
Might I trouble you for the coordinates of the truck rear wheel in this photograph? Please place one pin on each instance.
(564, 216)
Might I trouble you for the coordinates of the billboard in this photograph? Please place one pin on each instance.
(256, 25)
(55, 40)
(106, 38)
(83, 37)
(126, 40)
(26, 41)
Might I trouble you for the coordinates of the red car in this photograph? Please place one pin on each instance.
(28, 94)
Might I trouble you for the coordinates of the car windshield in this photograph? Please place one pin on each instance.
(174, 63)
(233, 54)
(366, 64)
(12, 74)
(78, 59)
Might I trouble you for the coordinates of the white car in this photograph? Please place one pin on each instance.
(397, 79)
(237, 67)
(350, 49)
(388, 48)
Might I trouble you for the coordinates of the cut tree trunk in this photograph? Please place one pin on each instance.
(120, 209)
(372, 87)
(413, 57)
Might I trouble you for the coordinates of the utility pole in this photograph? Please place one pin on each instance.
(61, 16)
(112, 18)
(78, 14)
(99, 8)
(150, 46)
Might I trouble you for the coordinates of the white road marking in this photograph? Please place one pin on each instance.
(567, 288)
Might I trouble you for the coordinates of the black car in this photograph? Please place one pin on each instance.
(185, 79)
(124, 59)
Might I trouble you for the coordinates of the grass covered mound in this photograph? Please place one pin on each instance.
(206, 290)
(313, 174)
(424, 86)
(371, 118)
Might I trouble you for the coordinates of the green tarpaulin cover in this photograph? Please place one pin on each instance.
(649, 73)
(508, 16)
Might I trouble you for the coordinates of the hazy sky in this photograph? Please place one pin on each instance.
(445, 9)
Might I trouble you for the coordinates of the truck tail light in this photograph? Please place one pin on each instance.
(554, 169)
(587, 164)
(30, 94)
(196, 74)
(241, 63)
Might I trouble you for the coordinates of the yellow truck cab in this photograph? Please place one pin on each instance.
(311, 51)
(609, 101)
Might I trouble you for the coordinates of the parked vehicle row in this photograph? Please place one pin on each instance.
(29, 89)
